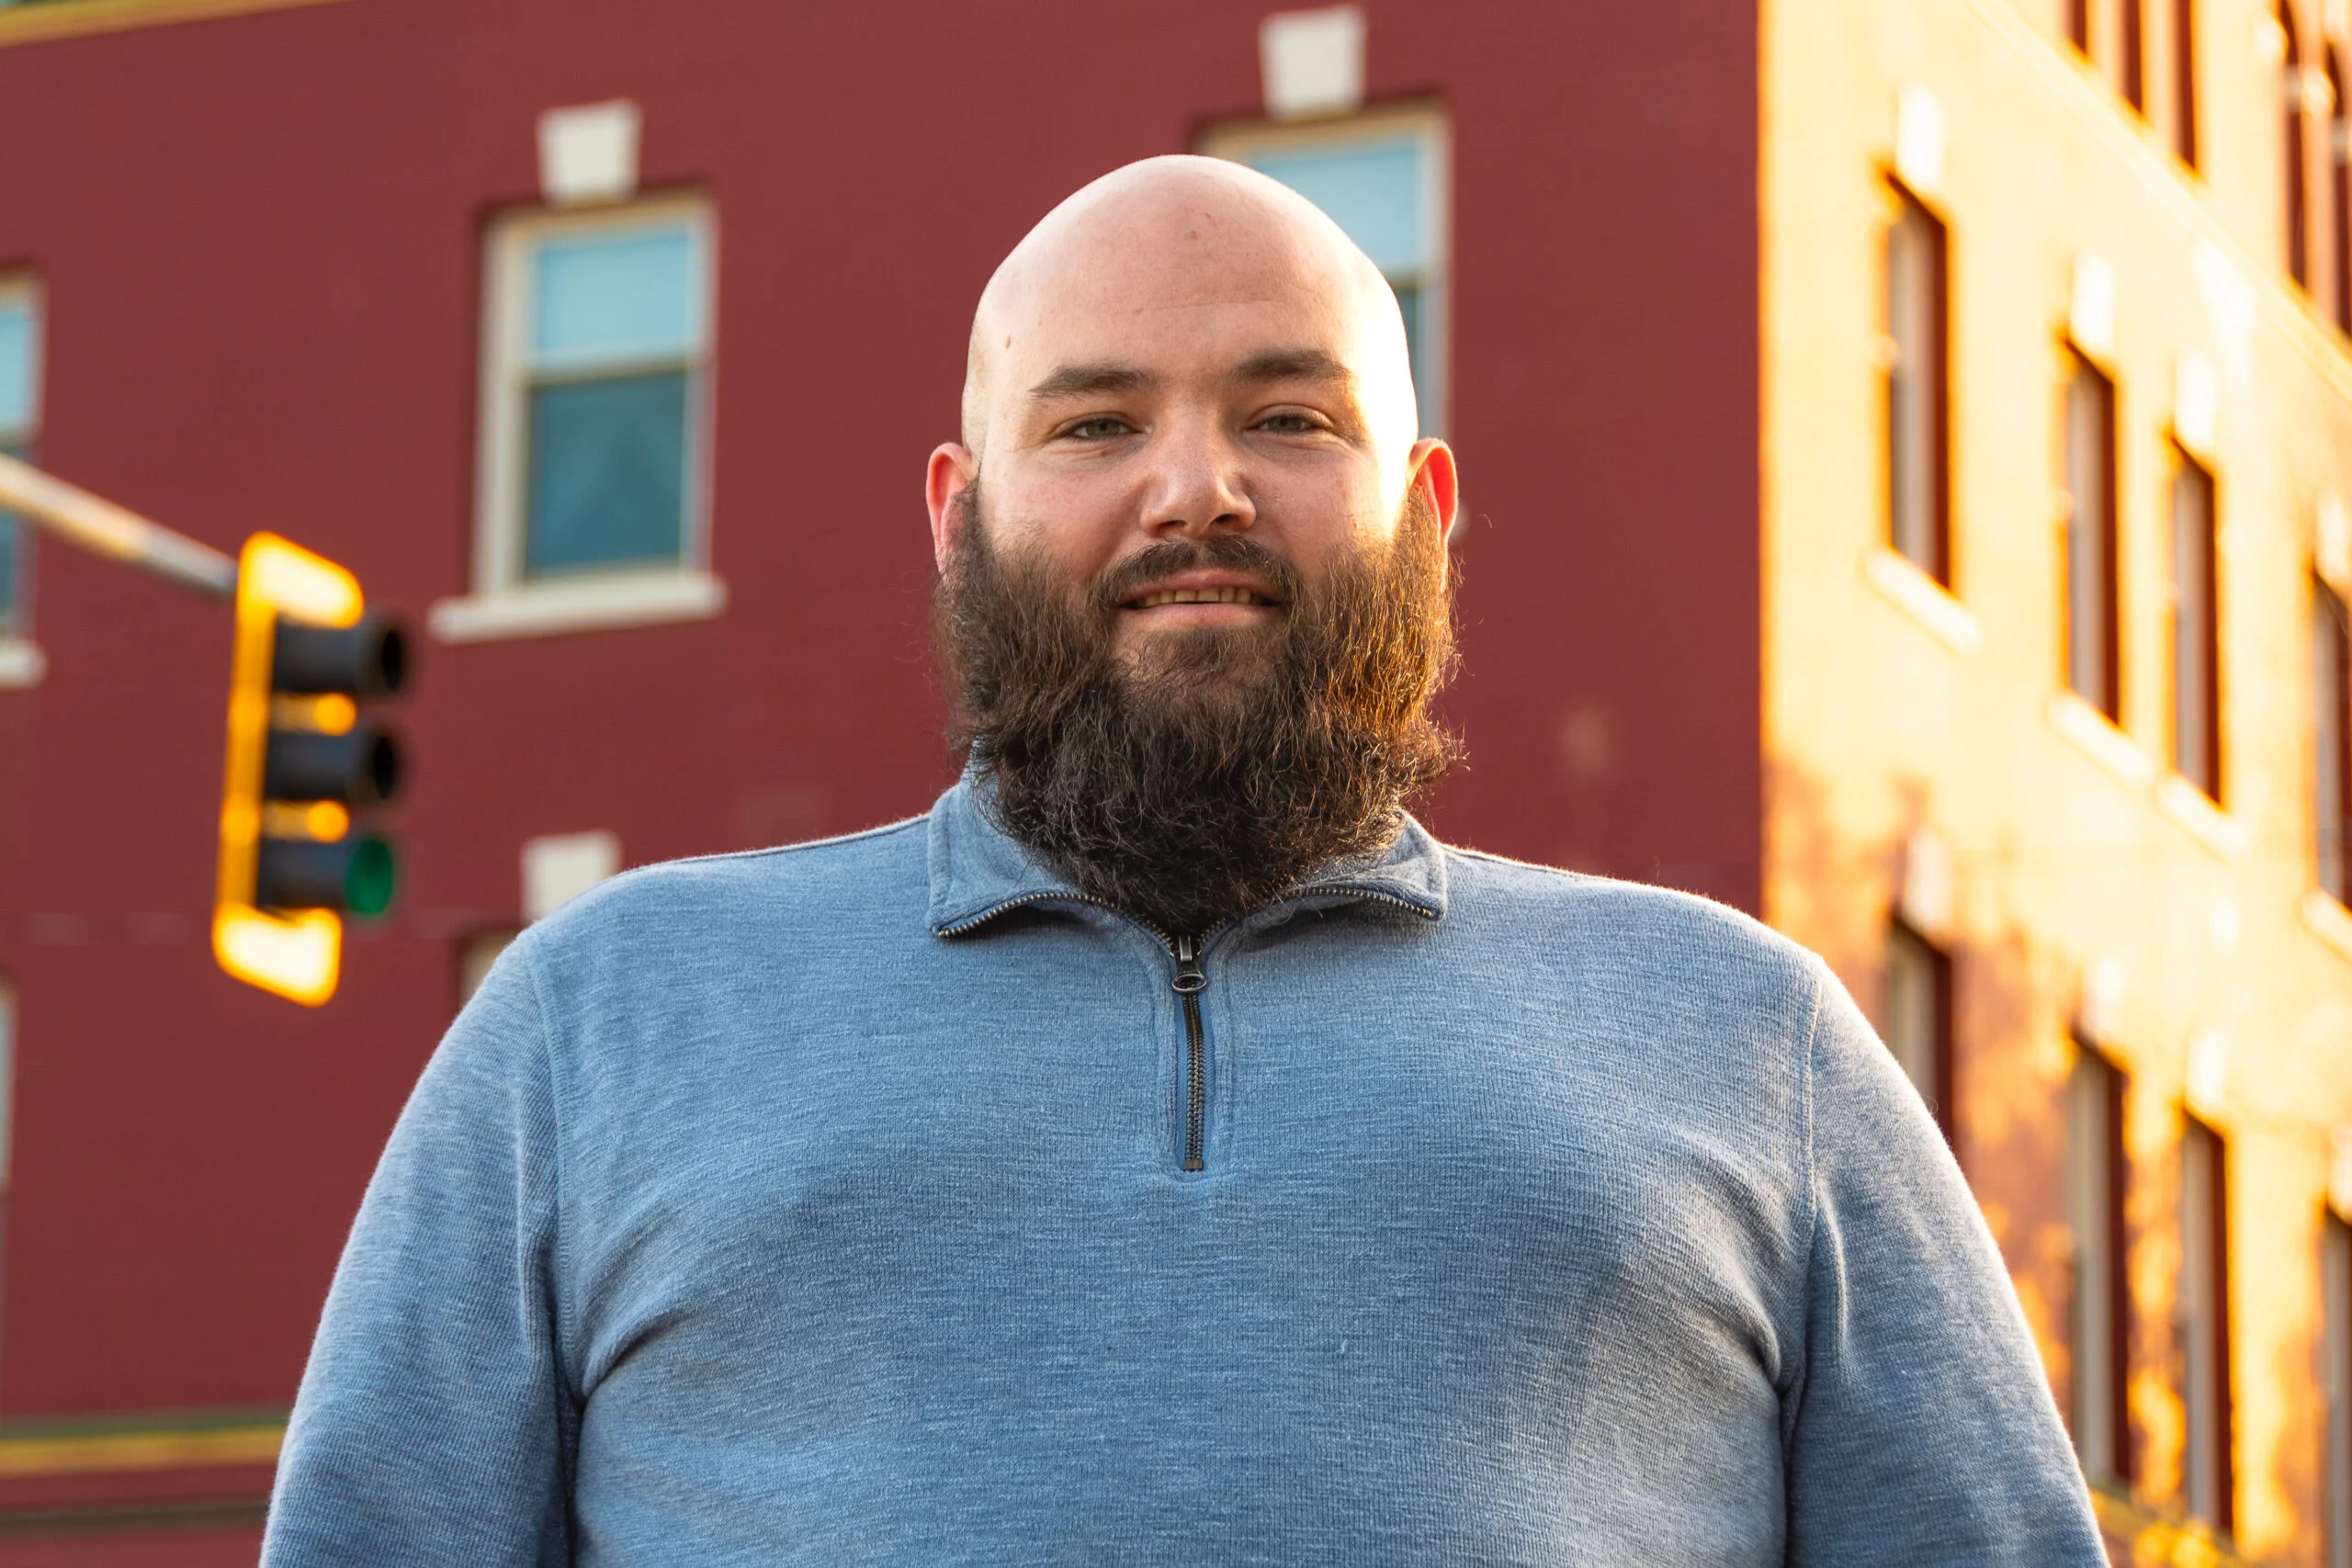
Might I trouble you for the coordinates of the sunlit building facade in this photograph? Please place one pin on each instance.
(2057, 452)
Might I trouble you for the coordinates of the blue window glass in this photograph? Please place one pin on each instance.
(597, 299)
(15, 367)
(608, 473)
(12, 551)
(16, 428)
(616, 327)
(1377, 190)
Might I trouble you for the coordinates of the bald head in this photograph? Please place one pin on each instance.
(1162, 246)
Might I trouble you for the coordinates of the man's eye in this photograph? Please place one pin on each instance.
(1289, 424)
(1102, 427)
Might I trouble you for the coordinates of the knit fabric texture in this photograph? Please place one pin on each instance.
(827, 1205)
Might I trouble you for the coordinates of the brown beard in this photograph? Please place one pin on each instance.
(1217, 768)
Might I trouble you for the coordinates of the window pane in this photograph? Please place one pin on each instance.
(2090, 533)
(13, 539)
(2208, 1481)
(1377, 191)
(2336, 1311)
(1372, 189)
(15, 366)
(1915, 1008)
(608, 465)
(599, 298)
(1915, 388)
(2097, 1409)
(2195, 632)
(10, 546)
(2184, 81)
(2332, 651)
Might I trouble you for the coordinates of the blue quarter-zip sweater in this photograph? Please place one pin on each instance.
(831, 1205)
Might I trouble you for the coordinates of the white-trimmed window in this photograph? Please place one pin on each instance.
(1382, 176)
(592, 500)
(19, 417)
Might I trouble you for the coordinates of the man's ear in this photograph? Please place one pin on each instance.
(951, 472)
(1431, 466)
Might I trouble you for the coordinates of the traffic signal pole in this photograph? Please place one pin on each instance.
(103, 528)
(300, 756)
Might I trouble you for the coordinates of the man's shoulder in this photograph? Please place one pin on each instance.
(1529, 909)
(828, 881)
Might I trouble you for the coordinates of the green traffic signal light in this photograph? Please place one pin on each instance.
(372, 878)
(347, 875)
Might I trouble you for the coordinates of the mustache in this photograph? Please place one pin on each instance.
(1229, 552)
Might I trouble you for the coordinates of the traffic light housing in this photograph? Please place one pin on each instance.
(301, 759)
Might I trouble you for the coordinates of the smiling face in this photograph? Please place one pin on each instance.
(1182, 352)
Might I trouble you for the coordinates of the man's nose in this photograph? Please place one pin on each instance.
(1198, 487)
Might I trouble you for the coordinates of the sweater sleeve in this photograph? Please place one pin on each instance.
(1921, 1429)
(433, 1424)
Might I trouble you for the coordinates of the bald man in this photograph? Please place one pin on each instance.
(1163, 1150)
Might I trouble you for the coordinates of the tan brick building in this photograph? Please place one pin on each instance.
(2057, 403)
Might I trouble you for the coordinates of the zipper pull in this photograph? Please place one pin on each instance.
(1190, 980)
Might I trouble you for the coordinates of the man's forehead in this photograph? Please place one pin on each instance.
(1121, 280)
(1182, 266)
(1215, 336)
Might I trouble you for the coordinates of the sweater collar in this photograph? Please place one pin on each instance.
(977, 871)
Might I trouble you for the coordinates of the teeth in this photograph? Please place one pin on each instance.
(1198, 596)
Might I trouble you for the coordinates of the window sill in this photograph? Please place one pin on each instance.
(580, 604)
(1923, 599)
(2328, 920)
(22, 664)
(2097, 737)
(2205, 822)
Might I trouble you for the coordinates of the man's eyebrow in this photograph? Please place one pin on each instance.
(1091, 380)
(1294, 364)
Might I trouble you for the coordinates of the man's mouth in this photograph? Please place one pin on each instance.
(1158, 597)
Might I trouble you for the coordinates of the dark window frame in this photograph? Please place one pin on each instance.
(2085, 375)
(2113, 1160)
(23, 441)
(1915, 216)
(2339, 182)
(2296, 171)
(2184, 81)
(1939, 1087)
(2135, 55)
(2215, 1286)
(2196, 565)
(2335, 1379)
(2332, 791)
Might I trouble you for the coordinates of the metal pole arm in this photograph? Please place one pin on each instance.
(103, 528)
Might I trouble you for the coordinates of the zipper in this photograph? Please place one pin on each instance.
(1190, 982)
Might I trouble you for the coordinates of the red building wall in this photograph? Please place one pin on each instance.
(259, 239)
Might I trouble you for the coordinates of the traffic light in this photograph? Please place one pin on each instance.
(300, 760)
